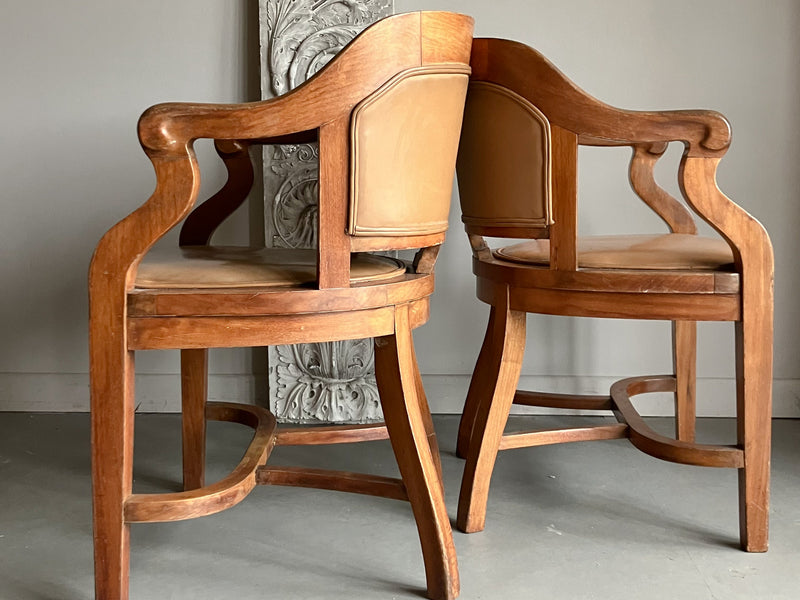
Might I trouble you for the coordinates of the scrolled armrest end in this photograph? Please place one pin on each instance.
(159, 130)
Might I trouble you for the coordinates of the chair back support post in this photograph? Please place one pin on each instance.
(333, 249)
(564, 231)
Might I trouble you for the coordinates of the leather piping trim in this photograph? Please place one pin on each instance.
(423, 228)
(546, 153)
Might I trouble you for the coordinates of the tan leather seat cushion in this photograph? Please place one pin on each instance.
(668, 251)
(226, 266)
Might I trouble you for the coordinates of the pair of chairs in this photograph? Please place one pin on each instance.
(387, 113)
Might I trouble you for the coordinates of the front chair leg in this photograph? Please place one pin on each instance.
(194, 393)
(754, 413)
(406, 417)
(508, 334)
(112, 465)
(425, 411)
(480, 386)
(684, 360)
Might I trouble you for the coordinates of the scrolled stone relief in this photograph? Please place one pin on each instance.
(332, 381)
(328, 381)
(294, 205)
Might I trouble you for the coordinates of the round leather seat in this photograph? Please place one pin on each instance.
(672, 251)
(231, 266)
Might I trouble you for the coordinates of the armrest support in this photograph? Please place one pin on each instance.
(671, 211)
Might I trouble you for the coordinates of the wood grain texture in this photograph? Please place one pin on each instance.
(509, 344)
(333, 248)
(622, 305)
(227, 492)
(568, 401)
(194, 394)
(530, 74)
(480, 386)
(339, 481)
(543, 437)
(671, 211)
(406, 422)
(276, 301)
(564, 231)
(376, 244)
(607, 280)
(657, 445)
(238, 332)
(754, 334)
(332, 434)
(684, 362)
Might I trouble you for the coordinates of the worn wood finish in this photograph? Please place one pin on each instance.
(425, 260)
(406, 420)
(657, 445)
(275, 301)
(544, 437)
(607, 280)
(227, 492)
(564, 232)
(684, 361)
(111, 365)
(200, 225)
(754, 334)
(741, 293)
(622, 305)
(671, 211)
(375, 244)
(333, 249)
(480, 386)
(570, 401)
(508, 342)
(427, 418)
(124, 318)
(235, 331)
(334, 434)
(194, 393)
(339, 481)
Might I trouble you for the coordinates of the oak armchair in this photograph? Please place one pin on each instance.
(403, 79)
(517, 177)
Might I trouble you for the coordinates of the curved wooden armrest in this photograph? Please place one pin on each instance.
(523, 69)
(366, 63)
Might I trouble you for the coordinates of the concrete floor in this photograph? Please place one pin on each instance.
(579, 521)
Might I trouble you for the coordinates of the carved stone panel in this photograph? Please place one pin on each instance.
(328, 381)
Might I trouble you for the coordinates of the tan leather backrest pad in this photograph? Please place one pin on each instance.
(404, 140)
(504, 160)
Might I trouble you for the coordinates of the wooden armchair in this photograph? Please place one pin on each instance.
(402, 80)
(517, 177)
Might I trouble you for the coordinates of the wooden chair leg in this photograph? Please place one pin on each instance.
(426, 415)
(194, 393)
(509, 343)
(112, 466)
(684, 360)
(406, 417)
(754, 413)
(480, 386)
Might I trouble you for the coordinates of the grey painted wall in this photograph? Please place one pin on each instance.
(77, 75)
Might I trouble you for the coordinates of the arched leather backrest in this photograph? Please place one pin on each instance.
(404, 140)
(504, 163)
